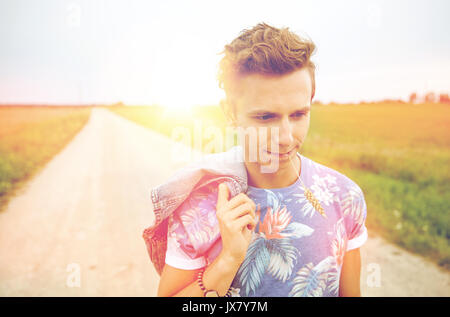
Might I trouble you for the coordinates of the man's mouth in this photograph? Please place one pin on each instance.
(282, 155)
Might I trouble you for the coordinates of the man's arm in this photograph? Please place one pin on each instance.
(349, 284)
(218, 276)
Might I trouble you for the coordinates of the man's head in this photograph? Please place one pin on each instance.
(269, 81)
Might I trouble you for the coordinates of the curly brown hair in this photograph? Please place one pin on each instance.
(267, 50)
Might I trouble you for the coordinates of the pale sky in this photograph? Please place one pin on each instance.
(166, 52)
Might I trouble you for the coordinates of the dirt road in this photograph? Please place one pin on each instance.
(75, 229)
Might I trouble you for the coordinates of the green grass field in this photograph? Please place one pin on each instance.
(30, 137)
(399, 155)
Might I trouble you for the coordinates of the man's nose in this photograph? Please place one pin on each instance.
(285, 138)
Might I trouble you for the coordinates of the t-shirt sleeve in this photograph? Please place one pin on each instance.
(355, 211)
(175, 256)
(186, 237)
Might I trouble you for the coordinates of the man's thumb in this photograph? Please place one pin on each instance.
(223, 193)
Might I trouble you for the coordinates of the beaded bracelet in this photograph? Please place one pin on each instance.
(203, 288)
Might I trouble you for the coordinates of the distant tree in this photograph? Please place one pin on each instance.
(430, 97)
(413, 98)
(391, 101)
(443, 98)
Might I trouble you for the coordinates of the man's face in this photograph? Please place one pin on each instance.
(281, 106)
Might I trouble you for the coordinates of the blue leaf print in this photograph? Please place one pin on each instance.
(254, 266)
(329, 265)
(283, 256)
(273, 199)
(333, 282)
(297, 230)
(309, 282)
(312, 280)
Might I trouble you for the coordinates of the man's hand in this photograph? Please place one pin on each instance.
(237, 222)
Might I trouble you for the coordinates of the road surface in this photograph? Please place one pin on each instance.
(75, 228)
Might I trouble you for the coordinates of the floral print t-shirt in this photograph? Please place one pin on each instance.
(295, 251)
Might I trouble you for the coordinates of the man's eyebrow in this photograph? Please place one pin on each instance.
(264, 111)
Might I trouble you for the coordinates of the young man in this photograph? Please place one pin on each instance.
(298, 229)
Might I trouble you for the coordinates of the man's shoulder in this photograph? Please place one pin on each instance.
(331, 176)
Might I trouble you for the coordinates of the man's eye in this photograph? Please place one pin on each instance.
(298, 114)
(265, 117)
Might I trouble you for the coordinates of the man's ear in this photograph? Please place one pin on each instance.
(227, 109)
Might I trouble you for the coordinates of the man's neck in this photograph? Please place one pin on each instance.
(286, 175)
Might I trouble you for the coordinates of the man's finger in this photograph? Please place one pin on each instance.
(222, 196)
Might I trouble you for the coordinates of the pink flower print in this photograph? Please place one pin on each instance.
(198, 226)
(274, 223)
(339, 243)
